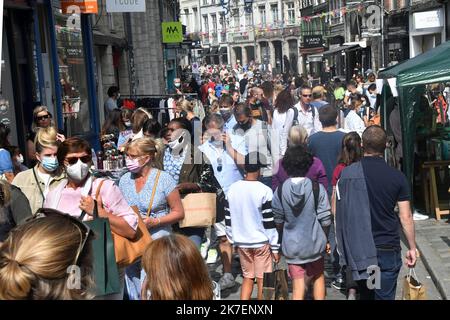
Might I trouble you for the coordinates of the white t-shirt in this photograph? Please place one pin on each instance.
(281, 124)
(46, 178)
(353, 122)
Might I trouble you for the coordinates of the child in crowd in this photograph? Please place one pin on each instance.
(302, 212)
(250, 225)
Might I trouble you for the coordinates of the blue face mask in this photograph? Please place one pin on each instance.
(50, 163)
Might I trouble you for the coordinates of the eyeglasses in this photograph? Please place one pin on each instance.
(307, 95)
(84, 159)
(47, 116)
(83, 228)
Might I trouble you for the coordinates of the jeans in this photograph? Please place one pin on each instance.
(195, 234)
(334, 256)
(390, 263)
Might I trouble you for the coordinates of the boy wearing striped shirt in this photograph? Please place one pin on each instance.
(250, 226)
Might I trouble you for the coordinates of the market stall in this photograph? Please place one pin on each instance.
(420, 88)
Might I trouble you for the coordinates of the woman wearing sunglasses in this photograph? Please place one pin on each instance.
(36, 257)
(75, 195)
(42, 118)
(37, 182)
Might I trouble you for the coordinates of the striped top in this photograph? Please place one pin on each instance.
(249, 217)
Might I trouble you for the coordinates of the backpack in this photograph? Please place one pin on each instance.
(295, 120)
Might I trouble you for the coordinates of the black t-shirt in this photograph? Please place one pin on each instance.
(386, 186)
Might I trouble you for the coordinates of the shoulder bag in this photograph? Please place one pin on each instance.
(128, 251)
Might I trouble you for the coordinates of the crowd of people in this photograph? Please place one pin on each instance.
(291, 165)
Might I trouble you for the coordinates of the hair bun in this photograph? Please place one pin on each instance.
(15, 280)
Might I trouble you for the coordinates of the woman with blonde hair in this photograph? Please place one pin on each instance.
(175, 271)
(36, 257)
(140, 115)
(155, 195)
(37, 182)
(187, 108)
(298, 136)
(42, 118)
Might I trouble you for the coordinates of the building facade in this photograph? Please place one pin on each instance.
(68, 61)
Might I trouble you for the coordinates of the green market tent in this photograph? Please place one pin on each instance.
(412, 75)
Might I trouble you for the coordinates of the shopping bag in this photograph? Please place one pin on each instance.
(129, 251)
(106, 273)
(199, 210)
(412, 288)
(275, 284)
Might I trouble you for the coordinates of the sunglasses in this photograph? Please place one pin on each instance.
(84, 159)
(307, 95)
(85, 231)
(47, 116)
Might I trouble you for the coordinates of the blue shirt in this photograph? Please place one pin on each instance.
(172, 165)
(327, 147)
(160, 208)
(6, 164)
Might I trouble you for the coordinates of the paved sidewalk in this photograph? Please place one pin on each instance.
(433, 242)
(332, 294)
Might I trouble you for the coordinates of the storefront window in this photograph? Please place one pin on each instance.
(72, 76)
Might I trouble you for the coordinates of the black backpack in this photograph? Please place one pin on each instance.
(295, 120)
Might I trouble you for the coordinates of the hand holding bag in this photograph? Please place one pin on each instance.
(412, 288)
(106, 273)
(199, 210)
(128, 251)
(275, 284)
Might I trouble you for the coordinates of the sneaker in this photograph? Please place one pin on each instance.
(419, 217)
(338, 284)
(204, 249)
(227, 281)
(351, 296)
(212, 256)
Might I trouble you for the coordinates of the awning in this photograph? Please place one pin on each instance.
(305, 51)
(99, 38)
(339, 49)
(315, 57)
(223, 50)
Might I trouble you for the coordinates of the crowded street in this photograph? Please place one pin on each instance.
(225, 150)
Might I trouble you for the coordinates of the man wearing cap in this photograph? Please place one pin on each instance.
(318, 95)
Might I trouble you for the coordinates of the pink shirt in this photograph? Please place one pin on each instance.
(111, 195)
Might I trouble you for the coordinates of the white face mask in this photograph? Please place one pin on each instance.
(138, 135)
(78, 171)
(178, 141)
(19, 159)
(128, 123)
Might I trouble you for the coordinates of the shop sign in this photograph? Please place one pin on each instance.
(172, 32)
(313, 41)
(428, 19)
(125, 5)
(85, 6)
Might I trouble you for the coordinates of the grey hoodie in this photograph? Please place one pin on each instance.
(303, 238)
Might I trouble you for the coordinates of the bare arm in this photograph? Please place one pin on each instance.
(118, 224)
(238, 158)
(408, 228)
(176, 212)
